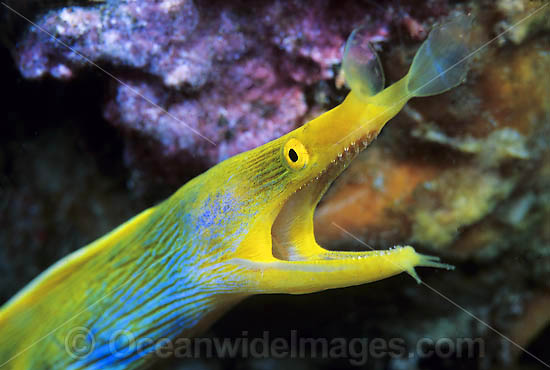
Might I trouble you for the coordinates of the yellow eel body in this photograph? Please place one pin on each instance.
(243, 227)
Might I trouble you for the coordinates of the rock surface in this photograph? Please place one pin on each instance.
(198, 82)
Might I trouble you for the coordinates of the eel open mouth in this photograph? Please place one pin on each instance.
(294, 244)
(292, 232)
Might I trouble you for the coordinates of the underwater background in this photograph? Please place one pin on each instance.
(464, 175)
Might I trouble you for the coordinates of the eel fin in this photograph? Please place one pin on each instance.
(58, 272)
(362, 68)
(441, 61)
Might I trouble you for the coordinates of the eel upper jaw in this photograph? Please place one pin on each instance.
(292, 232)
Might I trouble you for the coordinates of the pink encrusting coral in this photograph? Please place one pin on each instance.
(234, 72)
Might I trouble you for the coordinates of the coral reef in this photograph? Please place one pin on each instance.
(465, 174)
(468, 180)
(481, 159)
(223, 77)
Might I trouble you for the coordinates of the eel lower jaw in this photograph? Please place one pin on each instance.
(292, 232)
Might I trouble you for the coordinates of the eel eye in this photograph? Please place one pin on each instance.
(295, 154)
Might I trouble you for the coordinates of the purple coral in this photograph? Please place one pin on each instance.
(235, 72)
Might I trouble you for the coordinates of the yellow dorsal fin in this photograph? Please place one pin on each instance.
(67, 265)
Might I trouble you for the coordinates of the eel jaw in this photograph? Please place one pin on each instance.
(292, 231)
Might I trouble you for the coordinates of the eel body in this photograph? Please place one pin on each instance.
(243, 227)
